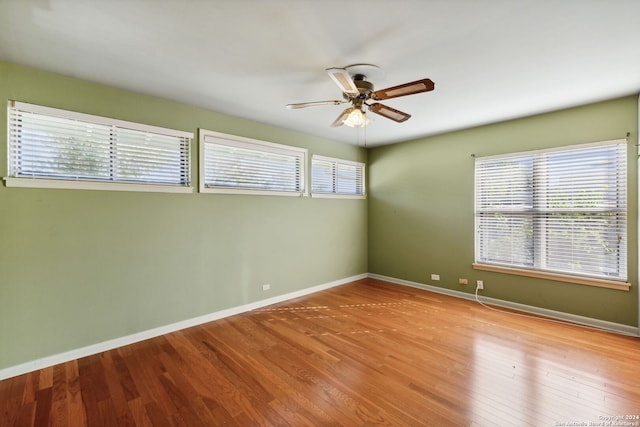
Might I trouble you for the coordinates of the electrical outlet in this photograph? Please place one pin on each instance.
(266, 287)
(463, 282)
(435, 277)
(479, 284)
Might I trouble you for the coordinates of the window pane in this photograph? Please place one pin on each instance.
(322, 176)
(337, 177)
(579, 179)
(506, 238)
(584, 242)
(148, 157)
(347, 179)
(505, 184)
(243, 165)
(52, 147)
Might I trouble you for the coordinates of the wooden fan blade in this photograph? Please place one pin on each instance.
(389, 113)
(343, 80)
(419, 86)
(341, 118)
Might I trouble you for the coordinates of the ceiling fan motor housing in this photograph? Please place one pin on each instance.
(364, 87)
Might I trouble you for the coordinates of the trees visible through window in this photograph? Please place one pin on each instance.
(52, 144)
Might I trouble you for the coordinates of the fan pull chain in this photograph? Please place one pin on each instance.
(365, 136)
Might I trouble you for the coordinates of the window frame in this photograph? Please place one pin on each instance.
(212, 137)
(15, 179)
(539, 269)
(334, 194)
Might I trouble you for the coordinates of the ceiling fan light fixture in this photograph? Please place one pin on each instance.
(356, 118)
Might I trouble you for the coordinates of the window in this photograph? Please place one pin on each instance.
(337, 178)
(232, 164)
(56, 148)
(562, 211)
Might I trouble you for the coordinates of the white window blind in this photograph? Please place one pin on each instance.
(233, 164)
(337, 177)
(52, 144)
(561, 211)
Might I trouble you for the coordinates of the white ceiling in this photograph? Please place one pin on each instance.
(491, 60)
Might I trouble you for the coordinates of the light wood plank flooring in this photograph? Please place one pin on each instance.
(366, 353)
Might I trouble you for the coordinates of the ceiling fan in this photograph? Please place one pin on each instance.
(359, 92)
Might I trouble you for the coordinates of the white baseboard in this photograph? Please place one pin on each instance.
(568, 317)
(67, 356)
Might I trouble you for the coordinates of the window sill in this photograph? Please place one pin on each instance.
(246, 192)
(337, 196)
(602, 283)
(93, 185)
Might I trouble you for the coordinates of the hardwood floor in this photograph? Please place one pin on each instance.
(366, 353)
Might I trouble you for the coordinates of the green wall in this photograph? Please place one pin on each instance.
(421, 196)
(81, 267)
